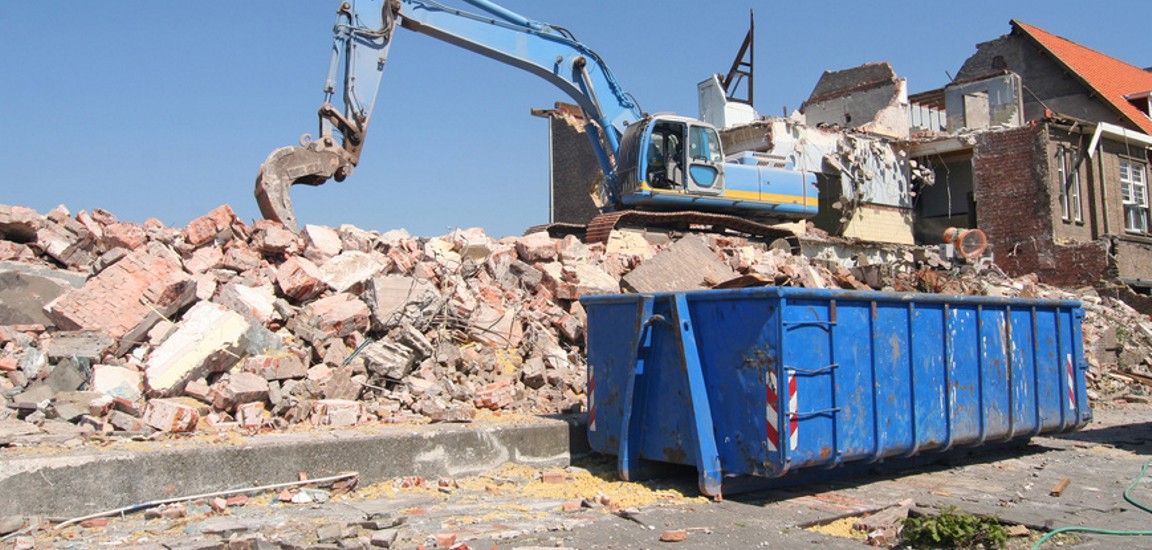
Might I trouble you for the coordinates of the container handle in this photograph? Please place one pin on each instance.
(811, 372)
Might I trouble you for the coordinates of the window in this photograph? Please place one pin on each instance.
(704, 145)
(1134, 193)
(1071, 208)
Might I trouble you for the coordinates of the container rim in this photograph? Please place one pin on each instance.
(826, 294)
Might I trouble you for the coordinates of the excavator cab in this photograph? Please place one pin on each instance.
(679, 155)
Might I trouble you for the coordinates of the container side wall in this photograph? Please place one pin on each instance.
(807, 353)
(994, 374)
(668, 433)
(737, 343)
(928, 376)
(894, 388)
(1050, 377)
(800, 379)
(967, 386)
(856, 381)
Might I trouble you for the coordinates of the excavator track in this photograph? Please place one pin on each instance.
(601, 226)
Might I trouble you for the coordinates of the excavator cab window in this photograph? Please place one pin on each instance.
(666, 155)
(705, 159)
(704, 145)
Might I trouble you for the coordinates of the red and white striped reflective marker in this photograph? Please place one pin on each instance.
(774, 413)
(1071, 384)
(591, 400)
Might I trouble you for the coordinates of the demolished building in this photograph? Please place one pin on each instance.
(1038, 141)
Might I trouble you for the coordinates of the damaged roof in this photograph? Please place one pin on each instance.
(833, 84)
(1112, 79)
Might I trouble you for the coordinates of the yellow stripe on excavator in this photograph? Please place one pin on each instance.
(743, 195)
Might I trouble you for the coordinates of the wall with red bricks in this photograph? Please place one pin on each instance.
(1014, 207)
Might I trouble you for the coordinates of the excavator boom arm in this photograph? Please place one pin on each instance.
(362, 38)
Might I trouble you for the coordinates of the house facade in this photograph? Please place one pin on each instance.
(1047, 151)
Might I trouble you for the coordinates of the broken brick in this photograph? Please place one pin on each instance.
(170, 416)
(536, 247)
(276, 367)
(250, 415)
(237, 388)
(125, 300)
(220, 224)
(337, 412)
(300, 279)
(333, 317)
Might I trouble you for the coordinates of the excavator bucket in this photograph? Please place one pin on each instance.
(288, 166)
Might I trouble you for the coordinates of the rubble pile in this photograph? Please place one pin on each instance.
(108, 326)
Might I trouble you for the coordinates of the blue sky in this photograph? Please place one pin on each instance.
(167, 109)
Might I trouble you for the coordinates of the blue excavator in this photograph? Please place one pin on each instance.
(659, 169)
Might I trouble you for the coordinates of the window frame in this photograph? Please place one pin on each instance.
(1134, 195)
(1071, 204)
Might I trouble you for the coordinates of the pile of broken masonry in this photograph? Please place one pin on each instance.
(118, 328)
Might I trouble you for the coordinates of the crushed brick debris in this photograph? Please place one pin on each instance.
(220, 324)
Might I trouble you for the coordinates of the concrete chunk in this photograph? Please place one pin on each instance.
(350, 269)
(320, 243)
(388, 359)
(79, 345)
(25, 289)
(117, 382)
(255, 303)
(390, 295)
(576, 281)
(686, 265)
(493, 327)
(209, 339)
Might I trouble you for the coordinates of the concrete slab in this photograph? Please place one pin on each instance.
(26, 288)
(91, 480)
(686, 265)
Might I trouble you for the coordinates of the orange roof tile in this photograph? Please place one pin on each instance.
(1109, 77)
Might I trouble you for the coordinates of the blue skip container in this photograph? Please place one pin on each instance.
(772, 381)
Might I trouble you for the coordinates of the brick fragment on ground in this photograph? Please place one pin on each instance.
(337, 412)
(169, 415)
(237, 388)
(283, 366)
(273, 239)
(536, 247)
(572, 282)
(320, 243)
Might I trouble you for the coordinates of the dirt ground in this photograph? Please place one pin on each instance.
(586, 506)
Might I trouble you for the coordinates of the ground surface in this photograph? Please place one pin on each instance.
(585, 506)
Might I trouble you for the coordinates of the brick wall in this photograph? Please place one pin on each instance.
(1014, 207)
(879, 223)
